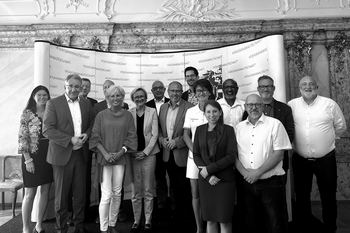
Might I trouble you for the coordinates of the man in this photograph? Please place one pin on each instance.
(67, 123)
(232, 107)
(261, 142)
(191, 76)
(158, 91)
(175, 151)
(85, 90)
(318, 121)
(103, 104)
(98, 108)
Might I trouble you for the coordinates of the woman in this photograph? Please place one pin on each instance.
(214, 152)
(113, 134)
(33, 147)
(195, 117)
(144, 162)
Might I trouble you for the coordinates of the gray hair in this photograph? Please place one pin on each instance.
(73, 76)
(136, 90)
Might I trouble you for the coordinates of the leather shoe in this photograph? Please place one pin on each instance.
(148, 227)
(70, 222)
(81, 230)
(134, 228)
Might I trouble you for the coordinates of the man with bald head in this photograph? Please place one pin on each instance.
(175, 151)
(261, 142)
(318, 121)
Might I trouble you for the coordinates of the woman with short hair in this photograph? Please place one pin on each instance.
(113, 134)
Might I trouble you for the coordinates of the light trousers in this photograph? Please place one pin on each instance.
(143, 186)
(111, 186)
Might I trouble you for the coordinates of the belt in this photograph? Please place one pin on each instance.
(275, 177)
(318, 159)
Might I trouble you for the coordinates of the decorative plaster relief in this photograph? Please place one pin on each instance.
(76, 4)
(109, 9)
(342, 5)
(283, 6)
(196, 10)
(341, 42)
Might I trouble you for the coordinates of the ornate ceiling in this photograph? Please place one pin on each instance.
(15, 12)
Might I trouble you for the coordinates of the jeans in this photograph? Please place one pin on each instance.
(111, 186)
(264, 203)
(143, 184)
(325, 170)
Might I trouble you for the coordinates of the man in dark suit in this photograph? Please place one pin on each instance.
(67, 124)
(103, 104)
(175, 151)
(158, 91)
(85, 90)
(191, 76)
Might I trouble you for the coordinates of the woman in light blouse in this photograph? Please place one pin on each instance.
(33, 147)
(144, 162)
(113, 134)
(195, 117)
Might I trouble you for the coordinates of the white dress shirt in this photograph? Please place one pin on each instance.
(316, 126)
(232, 114)
(158, 104)
(74, 108)
(171, 117)
(257, 142)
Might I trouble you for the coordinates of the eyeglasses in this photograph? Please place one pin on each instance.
(70, 87)
(261, 87)
(202, 91)
(139, 97)
(158, 88)
(312, 85)
(254, 105)
(175, 91)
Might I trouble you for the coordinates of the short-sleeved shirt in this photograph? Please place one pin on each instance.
(232, 114)
(194, 117)
(257, 142)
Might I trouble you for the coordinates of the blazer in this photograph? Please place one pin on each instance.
(181, 150)
(222, 164)
(59, 128)
(184, 95)
(92, 101)
(283, 113)
(150, 129)
(152, 104)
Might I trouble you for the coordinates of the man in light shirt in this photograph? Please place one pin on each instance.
(232, 107)
(191, 76)
(261, 142)
(158, 91)
(318, 121)
(67, 124)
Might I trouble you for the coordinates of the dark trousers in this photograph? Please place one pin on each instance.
(181, 187)
(264, 205)
(325, 170)
(71, 175)
(161, 182)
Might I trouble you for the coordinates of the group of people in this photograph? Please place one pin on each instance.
(218, 155)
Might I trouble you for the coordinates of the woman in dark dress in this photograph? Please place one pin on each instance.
(214, 152)
(33, 147)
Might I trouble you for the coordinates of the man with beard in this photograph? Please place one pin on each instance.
(318, 121)
(261, 142)
(191, 75)
(232, 107)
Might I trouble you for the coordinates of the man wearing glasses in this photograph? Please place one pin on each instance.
(232, 107)
(261, 142)
(318, 122)
(191, 76)
(67, 124)
(175, 151)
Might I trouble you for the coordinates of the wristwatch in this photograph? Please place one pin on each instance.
(125, 148)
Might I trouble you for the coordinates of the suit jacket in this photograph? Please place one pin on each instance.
(92, 101)
(184, 95)
(150, 129)
(59, 128)
(103, 105)
(222, 163)
(181, 150)
(152, 104)
(283, 113)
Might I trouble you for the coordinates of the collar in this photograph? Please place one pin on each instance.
(312, 103)
(176, 105)
(160, 101)
(262, 119)
(70, 100)
(272, 103)
(236, 103)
